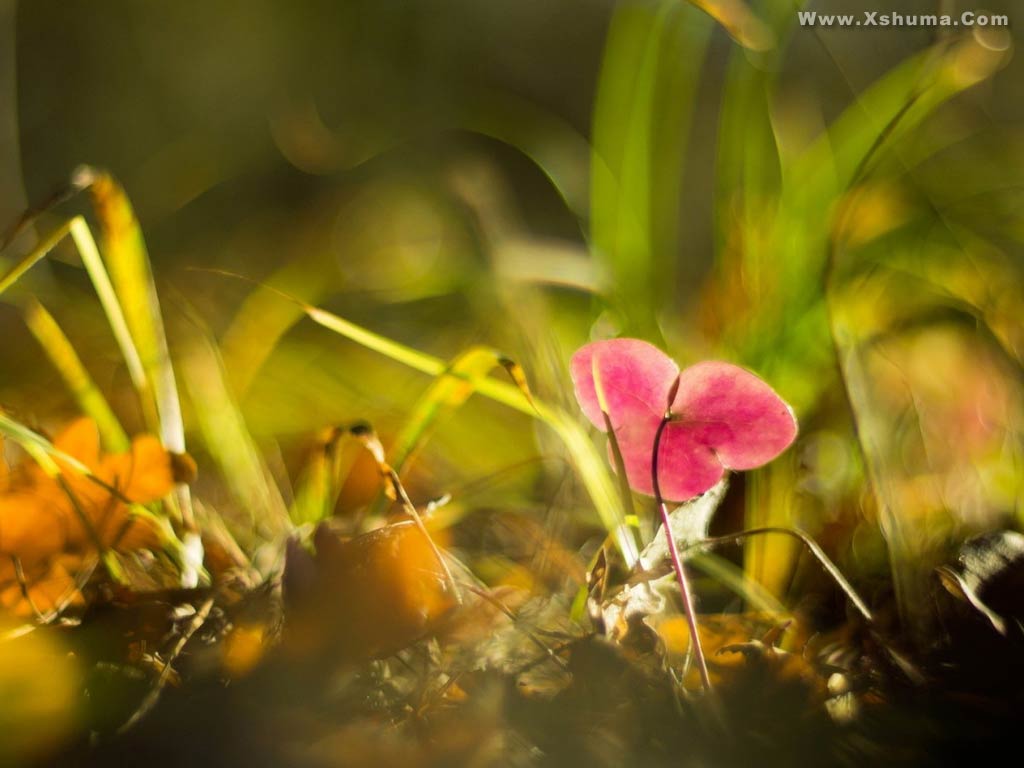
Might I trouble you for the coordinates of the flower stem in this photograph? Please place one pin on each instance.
(677, 564)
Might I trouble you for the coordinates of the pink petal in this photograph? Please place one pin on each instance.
(734, 413)
(724, 417)
(636, 441)
(686, 468)
(635, 377)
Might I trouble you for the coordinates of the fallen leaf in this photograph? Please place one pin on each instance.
(46, 519)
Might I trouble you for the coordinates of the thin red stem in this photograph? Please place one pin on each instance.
(677, 563)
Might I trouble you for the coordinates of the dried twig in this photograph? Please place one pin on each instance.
(153, 696)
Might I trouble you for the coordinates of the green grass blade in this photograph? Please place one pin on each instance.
(587, 460)
(781, 208)
(82, 237)
(446, 394)
(81, 385)
(86, 245)
(41, 450)
(432, 366)
(90, 254)
(227, 438)
(649, 77)
(449, 390)
(38, 252)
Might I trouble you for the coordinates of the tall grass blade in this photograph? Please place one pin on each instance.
(127, 260)
(781, 208)
(649, 76)
(90, 253)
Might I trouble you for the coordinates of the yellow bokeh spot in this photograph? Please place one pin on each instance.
(39, 681)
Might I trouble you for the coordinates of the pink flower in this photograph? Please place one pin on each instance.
(722, 416)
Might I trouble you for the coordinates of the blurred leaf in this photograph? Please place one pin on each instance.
(364, 597)
(263, 319)
(740, 22)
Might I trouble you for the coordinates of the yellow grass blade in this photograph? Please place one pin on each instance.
(86, 245)
(39, 448)
(124, 252)
(127, 260)
(449, 391)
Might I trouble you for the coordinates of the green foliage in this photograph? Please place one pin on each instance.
(645, 102)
